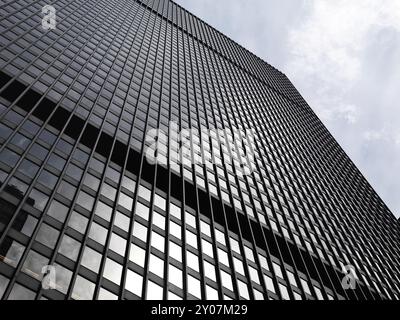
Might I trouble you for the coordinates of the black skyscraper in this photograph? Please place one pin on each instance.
(78, 193)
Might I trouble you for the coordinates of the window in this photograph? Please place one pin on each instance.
(175, 276)
(125, 201)
(139, 231)
(211, 293)
(156, 265)
(106, 295)
(154, 291)
(226, 280)
(193, 286)
(98, 233)
(112, 271)
(142, 210)
(19, 292)
(34, 263)
(47, 235)
(118, 244)
(175, 251)
(121, 221)
(69, 247)
(84, 200)
(269, 283)
(137, 255)
(104, 211)
(305, 286)
(243, 291)
(78, 222)
(134, 283)
(58, 211)
(3, 285)
(91, 259)
(157, 241)
(83, 289)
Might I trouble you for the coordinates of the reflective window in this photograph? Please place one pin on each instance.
(19, 292)
(134, 283)
(269, 283)
(175, 251)
(47, 179)
(78, 222)
(112, 271)
(121, 221)
(104, 211)
(14, 253)
(139, 231)
(58, 211)
(144, 193)
(125, 201)
(118, 244)
(156, 265)
(34, 263)
(83, 289)
(175, 276)
(194, 286)
(137, 255)
(211, 293)
(106, 295)
(3, 285)
(158, 220)
(91, 259)
(47, 235)
(142, 211)
(154, 291)
(157, 241)
(98, 233)
(243, 291)
(69, 247)
(84, 200)
(63, 278)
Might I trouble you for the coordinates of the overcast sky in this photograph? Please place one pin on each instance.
(343, 57)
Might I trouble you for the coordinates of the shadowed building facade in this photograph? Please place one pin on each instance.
(77, 193)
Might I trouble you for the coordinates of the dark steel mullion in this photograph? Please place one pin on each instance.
(15, 77)
(213, 238)
(54, 254)
(284, 217)
(109, 234)
(168, 200)
(294, 264)
(23, 257)
(197, 209)
(19, 126)
(308, 275)
(322, 283)
(230, 255)
(329, 261)
(86, 235)
(26, 151)
(268, 251)
(154, 29)
(140, 169)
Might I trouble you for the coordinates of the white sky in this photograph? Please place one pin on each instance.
(343, 57)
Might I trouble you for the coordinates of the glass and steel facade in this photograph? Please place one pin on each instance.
(78, 195)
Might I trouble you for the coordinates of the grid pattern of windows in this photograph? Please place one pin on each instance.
(77, 194)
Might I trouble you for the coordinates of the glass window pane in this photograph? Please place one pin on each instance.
(134, 283)
(91, 259)
(83, 289)
(112, 271)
